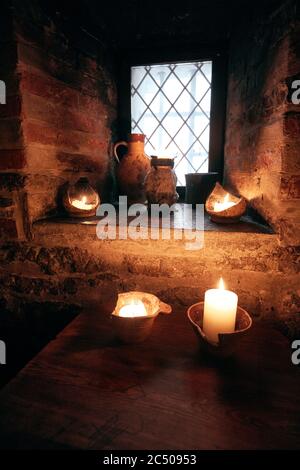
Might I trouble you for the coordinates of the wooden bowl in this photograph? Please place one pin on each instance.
(228, 342)
(227, 216)
(137, 329)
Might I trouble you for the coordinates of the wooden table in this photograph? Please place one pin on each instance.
(84, 390)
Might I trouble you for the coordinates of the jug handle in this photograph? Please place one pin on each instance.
(117, 145)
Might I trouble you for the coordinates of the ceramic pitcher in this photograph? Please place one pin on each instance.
(132, 168)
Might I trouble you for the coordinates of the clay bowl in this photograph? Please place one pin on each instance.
(76, 191)
(228, 342)
(137, 329)
(227, 216)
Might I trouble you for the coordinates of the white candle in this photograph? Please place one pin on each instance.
(134, 309)
(223, 205)
(219, 315)
(81, 204)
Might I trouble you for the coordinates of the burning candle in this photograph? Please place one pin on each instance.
(219, 315)
(223, 205)
(134, 309)
(81, 204)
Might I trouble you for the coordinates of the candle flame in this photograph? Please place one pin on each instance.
(82, 203)
(221, 284)
(220, 206)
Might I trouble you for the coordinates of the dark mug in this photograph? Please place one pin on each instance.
(199, 186)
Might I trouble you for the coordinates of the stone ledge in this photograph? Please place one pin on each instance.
(66, 262)
(247, 224)
(236, 241)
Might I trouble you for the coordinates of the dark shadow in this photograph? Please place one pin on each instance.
(29, 330)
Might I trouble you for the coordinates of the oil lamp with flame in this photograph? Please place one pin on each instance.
(81, 199)
(134, 315)
(223, 207)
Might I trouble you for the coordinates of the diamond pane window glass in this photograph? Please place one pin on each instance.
(170, 104)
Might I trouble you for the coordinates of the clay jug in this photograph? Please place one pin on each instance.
(160, 182)
(132, 168)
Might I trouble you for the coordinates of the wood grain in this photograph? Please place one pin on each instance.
(86, 390)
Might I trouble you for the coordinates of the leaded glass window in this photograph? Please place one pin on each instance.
(170, 104)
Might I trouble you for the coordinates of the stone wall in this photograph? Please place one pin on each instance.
(66, 264)
(263, 132)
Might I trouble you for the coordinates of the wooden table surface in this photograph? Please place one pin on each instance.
(85, 390)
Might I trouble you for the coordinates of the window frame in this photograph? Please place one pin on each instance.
(147, 56)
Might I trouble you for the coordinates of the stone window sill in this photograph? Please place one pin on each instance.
(81, 233)
(247, 224)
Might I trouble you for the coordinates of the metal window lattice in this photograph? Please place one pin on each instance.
(170, 104)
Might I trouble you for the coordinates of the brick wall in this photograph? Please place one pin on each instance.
(263, 127)
(13, 200)
(56, 125)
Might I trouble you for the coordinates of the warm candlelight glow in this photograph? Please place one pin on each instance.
(219, 316)
(136, 308)
(81, 204)
(223, 205)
